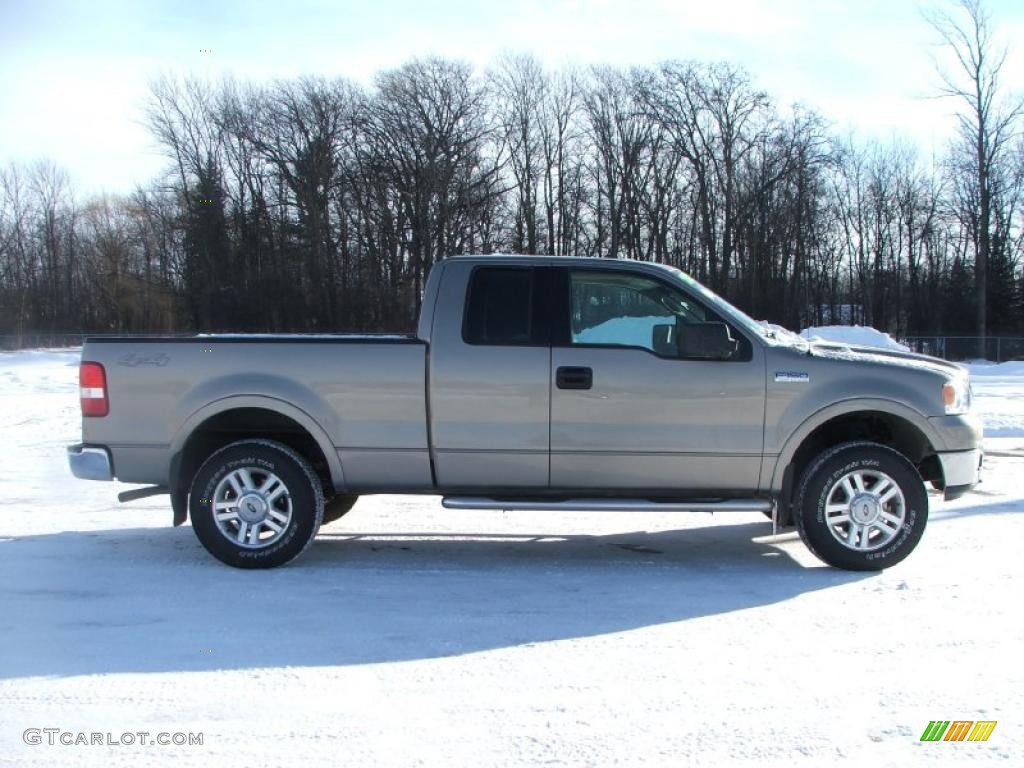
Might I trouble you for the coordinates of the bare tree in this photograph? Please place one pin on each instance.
(427, 128)
(315, 203)
(520, 88)
(560, 144)
(987, 120)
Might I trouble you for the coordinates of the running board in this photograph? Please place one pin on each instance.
(608, 505)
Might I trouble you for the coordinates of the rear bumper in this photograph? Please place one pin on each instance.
(961, 471)
(90, 462)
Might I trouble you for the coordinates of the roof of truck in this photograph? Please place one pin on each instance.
(550, 259)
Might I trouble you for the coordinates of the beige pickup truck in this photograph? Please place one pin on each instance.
(534, 383)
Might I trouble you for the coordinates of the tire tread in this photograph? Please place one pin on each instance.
(312, 480)
(808, 477)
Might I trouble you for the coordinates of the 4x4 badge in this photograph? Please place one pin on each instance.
(132, 360)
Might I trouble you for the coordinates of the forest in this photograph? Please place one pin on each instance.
(318, 204)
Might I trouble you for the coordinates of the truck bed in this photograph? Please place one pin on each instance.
(364, 393)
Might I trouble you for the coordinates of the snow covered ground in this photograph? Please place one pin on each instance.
(999, 395)
(410, 635)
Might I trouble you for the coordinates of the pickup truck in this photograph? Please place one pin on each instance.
(550, 383)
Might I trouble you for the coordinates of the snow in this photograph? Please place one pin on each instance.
(1007, 372)
(999, 396)
(778, 335)
(410, 635)
(637, 331)
(853, 335)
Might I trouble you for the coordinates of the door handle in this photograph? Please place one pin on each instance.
(574, 378)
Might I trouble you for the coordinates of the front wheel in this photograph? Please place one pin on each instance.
(256, 504)
(861, 506)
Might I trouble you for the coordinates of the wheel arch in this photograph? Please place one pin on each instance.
(881, 421)
(246, 416)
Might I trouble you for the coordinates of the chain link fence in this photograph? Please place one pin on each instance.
(997, 348)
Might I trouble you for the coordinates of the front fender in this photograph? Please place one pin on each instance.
(853, 405)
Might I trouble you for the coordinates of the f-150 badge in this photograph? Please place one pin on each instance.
(793, 377)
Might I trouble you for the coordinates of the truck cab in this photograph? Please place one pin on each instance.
(592, 375)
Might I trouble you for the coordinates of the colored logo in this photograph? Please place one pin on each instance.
(958, 730)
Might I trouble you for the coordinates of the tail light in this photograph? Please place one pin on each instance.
(92, 383)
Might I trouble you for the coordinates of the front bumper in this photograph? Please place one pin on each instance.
(957, 433)
(90, 462)
(961, 471)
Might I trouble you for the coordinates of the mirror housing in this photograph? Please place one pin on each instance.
(664, 340)
(706, 341)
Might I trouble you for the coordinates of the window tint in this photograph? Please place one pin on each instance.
(624, 309)
(500, 306)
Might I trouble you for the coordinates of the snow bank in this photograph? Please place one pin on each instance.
(986, 368)
(622, 330)
(853, 335)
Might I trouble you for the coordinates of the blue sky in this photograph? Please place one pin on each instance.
(73, 74)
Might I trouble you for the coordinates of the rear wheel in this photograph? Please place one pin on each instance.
(256, 504)
(861, 506)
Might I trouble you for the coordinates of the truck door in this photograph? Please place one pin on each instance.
(631, 408)
(489, 374)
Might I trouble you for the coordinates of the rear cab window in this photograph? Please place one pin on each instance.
(505, 306)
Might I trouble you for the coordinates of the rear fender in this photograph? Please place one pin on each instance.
(179, 485)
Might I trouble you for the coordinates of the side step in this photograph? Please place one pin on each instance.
(608, 505)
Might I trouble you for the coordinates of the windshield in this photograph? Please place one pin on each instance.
(740, 317)
(774, 334)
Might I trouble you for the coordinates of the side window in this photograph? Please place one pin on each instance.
(618, 308)
(500, 306)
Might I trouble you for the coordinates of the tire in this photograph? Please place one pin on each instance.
(267, 488)
(337, 507)
(861, 507)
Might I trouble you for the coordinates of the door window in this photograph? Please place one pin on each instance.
(630, 310)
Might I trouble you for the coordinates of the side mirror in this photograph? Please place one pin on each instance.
(706, 341)
(663, 340)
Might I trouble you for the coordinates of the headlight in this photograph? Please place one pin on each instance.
(956, 396)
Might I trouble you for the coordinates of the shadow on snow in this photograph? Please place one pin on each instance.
(151, 600)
